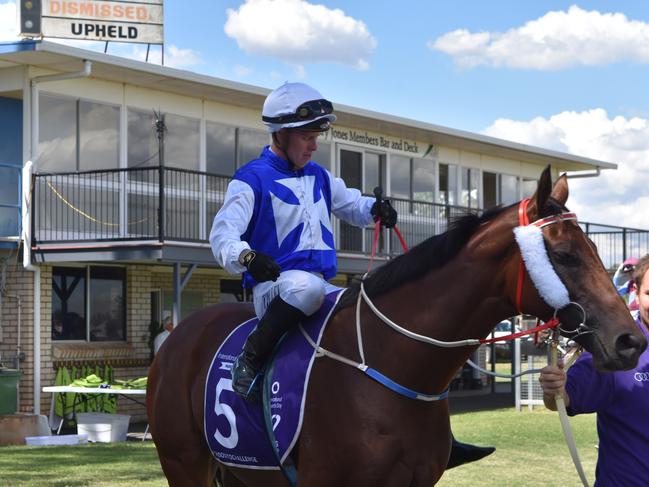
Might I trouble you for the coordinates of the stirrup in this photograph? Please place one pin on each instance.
(253, 393)
(242, 373)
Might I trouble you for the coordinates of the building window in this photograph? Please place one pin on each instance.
(374, 174)
(77, 135)
(469, 187)
(221, 149)
(9, 200)
(351, 168)
(142, 140)
(181, 140)
(447, 184)
(400, 177)
(351, 171)
(412, 178)
(498, 189)
(98, 136)
(508, 189)
(322, 156)
(89, 304)
(11, 164)
(250, 142)
(528, 187)
(423, 180)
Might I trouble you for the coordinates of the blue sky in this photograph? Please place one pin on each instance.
(570, 76)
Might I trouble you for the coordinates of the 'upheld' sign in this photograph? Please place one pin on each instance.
(138, 21)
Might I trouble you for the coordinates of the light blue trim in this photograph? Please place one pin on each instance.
(8, 47)
(404, 391)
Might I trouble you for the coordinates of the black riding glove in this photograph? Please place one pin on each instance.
(261, 267)
(385, 212)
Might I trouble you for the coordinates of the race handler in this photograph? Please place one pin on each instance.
(275, 225)
(620, 399)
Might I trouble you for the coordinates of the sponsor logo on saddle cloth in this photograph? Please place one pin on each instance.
(236, 430)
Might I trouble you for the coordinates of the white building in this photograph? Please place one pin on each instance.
(83, 195)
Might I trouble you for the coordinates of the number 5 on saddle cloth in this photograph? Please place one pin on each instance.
(244, 435)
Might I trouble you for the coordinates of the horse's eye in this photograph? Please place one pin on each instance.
(566, 258)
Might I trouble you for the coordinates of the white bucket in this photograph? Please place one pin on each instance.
(103, 427)
(56, 440)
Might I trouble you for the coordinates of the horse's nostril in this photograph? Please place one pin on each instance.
(630, 346)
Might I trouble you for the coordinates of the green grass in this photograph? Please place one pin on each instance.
(530, 452)
(115, 464)
(530, 449)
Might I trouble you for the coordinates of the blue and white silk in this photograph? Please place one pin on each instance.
(285, 214)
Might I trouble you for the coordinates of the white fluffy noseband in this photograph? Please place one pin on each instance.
(537, 263)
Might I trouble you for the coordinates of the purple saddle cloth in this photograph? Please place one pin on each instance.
(236, 430)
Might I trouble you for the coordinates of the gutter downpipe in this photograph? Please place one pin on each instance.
(27, 216)
(597, 172)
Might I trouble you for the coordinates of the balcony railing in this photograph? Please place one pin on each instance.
(169, 204)
(126, 204)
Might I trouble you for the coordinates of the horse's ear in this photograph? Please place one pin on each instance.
(560, 190)
(543, 190)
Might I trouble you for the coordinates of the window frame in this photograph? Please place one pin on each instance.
(87, 304)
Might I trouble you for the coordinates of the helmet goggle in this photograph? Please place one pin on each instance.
(628, 268)
(306, 111)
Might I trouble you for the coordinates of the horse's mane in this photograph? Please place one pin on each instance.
(432, 253)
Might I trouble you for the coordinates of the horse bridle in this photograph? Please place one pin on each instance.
(523, 221)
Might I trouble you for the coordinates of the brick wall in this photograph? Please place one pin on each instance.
(18, 284)
(129, 359)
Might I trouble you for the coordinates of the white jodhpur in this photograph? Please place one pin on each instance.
(301, 289)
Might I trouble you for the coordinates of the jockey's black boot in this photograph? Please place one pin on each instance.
(278, 319)
(462, 453)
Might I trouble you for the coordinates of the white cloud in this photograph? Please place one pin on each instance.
(554, 41)
(242, 71)
(299, 32)
(8, 22)
(176, 57)
(617, 197)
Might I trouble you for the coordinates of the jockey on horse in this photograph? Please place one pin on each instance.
(275, 228)
(275, 224)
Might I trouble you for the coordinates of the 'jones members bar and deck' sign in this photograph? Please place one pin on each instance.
(104, 20)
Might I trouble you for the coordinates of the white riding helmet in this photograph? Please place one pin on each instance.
(295, 105)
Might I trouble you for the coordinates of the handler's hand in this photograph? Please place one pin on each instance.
(553, 380)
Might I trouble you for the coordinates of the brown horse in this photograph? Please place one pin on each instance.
(356, 432)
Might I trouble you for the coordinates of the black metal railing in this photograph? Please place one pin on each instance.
(170, 204)
(126, 204)
(616, 244)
